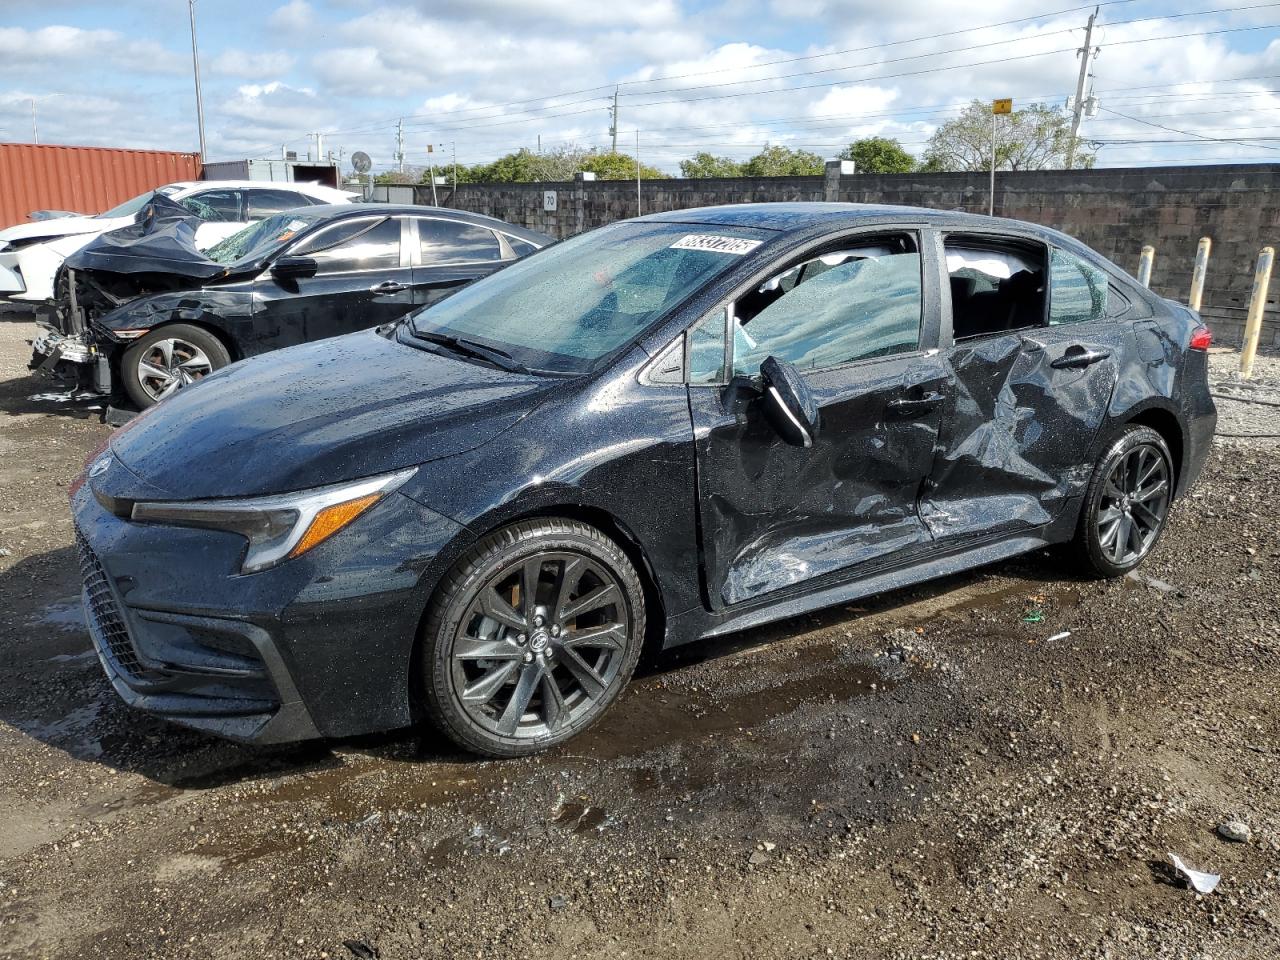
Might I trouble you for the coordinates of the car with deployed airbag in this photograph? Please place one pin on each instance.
(664, 430)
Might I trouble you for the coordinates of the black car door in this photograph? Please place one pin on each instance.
(859, 321)
(449, 254)
(1034, 365)
(362, 279)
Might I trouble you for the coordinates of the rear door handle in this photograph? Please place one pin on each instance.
(388, 286)
(912, 407)
(1079, 357)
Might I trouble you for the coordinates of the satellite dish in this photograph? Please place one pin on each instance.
(360, 162)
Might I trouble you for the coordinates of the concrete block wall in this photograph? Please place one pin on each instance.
(1115, 211)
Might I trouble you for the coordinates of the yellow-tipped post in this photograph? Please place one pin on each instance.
(1198, 274)
(1146, 260)
(1257, 303)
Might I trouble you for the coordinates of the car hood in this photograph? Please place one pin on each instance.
(338, 409)
(52, 229)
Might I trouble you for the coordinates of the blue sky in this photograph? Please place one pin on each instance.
(487, 76)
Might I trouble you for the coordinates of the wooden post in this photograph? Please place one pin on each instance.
(1257, 303)
(1146, 260)
(1197, 275)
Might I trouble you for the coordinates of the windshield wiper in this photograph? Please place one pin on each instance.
(470, 348)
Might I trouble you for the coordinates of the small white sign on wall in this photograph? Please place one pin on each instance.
(549, 201)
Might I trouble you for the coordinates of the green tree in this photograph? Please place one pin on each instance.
(560, 164)
(780, 161)
(703, 165)
(878, 155)
(617, 166)
(1033, 138)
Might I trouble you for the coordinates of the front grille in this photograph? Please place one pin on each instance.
(105, 614)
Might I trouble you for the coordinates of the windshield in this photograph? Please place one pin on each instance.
(569, 306)
(260, 239)
(130, 207)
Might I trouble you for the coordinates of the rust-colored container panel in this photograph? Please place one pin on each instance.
(82, 179)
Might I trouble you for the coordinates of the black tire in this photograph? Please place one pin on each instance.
(514, 647)
(1125, 514)
(203, 351)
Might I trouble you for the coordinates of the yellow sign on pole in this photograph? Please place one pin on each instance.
(1002, 106)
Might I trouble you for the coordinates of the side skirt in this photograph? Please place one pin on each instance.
(939, 566)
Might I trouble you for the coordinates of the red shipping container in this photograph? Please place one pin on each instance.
(82, 179)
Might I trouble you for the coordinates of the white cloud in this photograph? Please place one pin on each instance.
(23, 50)
(241, 63)
(296, 16)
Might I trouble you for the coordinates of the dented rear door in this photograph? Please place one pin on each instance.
(1020, 426)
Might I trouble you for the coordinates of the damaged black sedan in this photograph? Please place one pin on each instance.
(143, 312)
(667, 429)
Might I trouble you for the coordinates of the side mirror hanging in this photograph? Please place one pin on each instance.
(789, 405)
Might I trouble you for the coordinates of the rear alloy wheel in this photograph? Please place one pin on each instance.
(167, 359)
(534, 634)
(1127, 503)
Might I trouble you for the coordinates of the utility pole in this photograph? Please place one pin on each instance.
(1078, 106)
(613, 118)
(195, 65)
(637, 171)
(400, 143)
(35, 134)
(453, 145)
(319, 147)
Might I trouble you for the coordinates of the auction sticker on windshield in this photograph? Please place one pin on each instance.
(714, 244)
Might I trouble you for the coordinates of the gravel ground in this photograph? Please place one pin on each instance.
(995, 765)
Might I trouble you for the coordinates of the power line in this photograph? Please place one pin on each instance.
(1187, 133)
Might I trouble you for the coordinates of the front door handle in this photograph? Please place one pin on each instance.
(388, 286)
(906, 407)
(1079, 357)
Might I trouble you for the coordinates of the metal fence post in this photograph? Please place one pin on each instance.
(1146, 260)
(1197, 275)
(1257, 303)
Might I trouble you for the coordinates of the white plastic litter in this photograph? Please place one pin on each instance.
(1202, 882)
(1059, 636)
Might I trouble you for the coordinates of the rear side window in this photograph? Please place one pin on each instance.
(354, 246)
(216, 206)
(267, 203)
(522, 248)
(1077, 290)
(834, 309)
(446, 242)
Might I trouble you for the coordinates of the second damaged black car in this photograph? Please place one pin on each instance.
(144, 312)
(664, 430)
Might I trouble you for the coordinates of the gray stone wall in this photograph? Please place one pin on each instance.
(1115, 211)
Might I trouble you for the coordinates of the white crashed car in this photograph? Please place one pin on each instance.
(31, 253)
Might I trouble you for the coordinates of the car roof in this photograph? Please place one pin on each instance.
(339, 210)
(304, 186)
(787, 217)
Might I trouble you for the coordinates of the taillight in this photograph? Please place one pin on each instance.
(1201, 337)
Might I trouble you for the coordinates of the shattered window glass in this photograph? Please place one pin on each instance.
(1077, 290)
(216, 206)
(836, 313)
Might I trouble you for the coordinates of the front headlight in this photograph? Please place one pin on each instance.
(282, 526)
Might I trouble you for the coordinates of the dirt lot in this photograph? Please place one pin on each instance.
(941, 773)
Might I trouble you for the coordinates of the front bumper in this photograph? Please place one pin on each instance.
(320, 646)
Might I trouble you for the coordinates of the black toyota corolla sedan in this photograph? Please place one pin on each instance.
(666, 429)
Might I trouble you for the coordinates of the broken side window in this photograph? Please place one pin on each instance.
(849, 304)
(997, 285)
(1077, 290)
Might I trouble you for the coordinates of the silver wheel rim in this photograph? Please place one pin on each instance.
(541, 645)
(170, 364)
(1135, 501)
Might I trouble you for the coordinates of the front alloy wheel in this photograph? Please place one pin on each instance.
(167, 359)
(535, 633)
